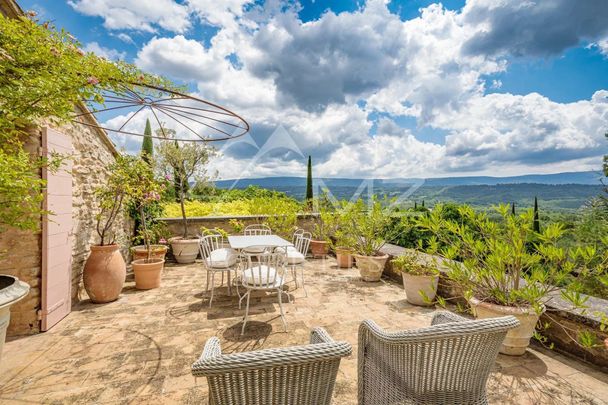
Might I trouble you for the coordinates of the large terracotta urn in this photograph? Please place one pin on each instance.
(417, 287)
(517, 340)
(104, 273)
(371, 267)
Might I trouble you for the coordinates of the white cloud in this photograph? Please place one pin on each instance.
(136, 15)
(104, 52)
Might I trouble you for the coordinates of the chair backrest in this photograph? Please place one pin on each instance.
(303, 375)
(446, 363)
(296, 235)
(303, 242)
(257, 229)
(267, 266)
(209, 243)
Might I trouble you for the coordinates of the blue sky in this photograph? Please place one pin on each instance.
(375, 89)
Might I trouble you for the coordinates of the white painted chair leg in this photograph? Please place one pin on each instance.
(212, 288)
(281, 308)
(303, 284)
(246, 313)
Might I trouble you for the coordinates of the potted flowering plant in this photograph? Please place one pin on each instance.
(508, 268)
(419, 278)
(158, 239)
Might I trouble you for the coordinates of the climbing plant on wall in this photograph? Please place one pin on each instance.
(43, 74)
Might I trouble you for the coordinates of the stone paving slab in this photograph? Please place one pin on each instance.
(139, 349)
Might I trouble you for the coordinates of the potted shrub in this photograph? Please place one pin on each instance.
(147, 271)
(419, 279)
(185, 161)
(159, 242)
(319, 245)
(507, 268)
(342, 243)
(367, 229)
(105, 269)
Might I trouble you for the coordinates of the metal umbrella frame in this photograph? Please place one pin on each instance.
(215, 119)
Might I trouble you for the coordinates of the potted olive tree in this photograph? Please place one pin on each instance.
(186, 161)
(105, 269)
(420, 278)
(366, 228)
(507, 268)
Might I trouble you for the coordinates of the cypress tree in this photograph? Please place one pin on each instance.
(536, 218)
(147, 146)
(513, 208)
(415, 205)
(422, 203)
(309, 194)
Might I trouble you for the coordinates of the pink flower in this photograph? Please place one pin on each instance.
(31, 13)
(167, 177)
(93, 80)
(162, 241)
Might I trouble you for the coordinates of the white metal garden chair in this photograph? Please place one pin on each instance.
(267, 273)
(296, 255)
(217, 259)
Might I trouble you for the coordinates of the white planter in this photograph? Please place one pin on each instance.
(413, 285)
(184, 250)
(518, 339)
(12, 290)
(371, 267)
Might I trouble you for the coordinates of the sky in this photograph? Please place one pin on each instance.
(373, 89)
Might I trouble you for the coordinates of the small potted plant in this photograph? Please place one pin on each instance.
(184, 162)
(147, 271)
(159, 242)
(319, 245)
(419, 278)
(366, 228)
(342, 243)
(508, 268)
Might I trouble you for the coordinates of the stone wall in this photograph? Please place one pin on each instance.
(305, 221)
(21, 256)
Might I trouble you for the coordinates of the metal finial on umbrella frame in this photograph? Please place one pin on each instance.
(210, 121)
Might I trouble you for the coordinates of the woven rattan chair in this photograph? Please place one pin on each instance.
(302, 375)
(446, 363)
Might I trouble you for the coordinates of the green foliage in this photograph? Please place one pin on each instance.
(185, 161)
(412, 264)
(309, 194)
(282, 214)
(147, 146)
(43, 74)
(497, 265)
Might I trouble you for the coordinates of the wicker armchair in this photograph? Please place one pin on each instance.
(446, 363)
(293, 375)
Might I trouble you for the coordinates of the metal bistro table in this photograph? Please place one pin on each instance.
(240, 242)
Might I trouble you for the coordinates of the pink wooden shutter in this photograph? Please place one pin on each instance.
(56, 233)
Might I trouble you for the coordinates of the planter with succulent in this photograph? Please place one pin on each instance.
(105, 269)
(419, 278)
(366, 228)
(184, 161)
(507, 268)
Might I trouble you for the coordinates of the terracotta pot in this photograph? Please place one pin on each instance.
(319, 248)
(147, 273)
(344, 257)
(104, 273)
(140, 252)
(184, 250)
(413, 284)
(371, 267)
(517, 339)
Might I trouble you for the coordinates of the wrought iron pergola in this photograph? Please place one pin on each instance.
(193, 119)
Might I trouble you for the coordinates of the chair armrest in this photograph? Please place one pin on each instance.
(442, 317)
(212, 349)
(320, 335)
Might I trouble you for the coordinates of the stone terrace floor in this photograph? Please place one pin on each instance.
(139, 349)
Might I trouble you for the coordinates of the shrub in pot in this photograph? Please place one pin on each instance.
(419, 279)
(366, 228)
(319, 245)
(105, 269)
(507, 268)
(184, 162)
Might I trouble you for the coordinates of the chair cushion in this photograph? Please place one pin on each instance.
(294, 257)
(256, 249)
(222, 258)
(262, 276)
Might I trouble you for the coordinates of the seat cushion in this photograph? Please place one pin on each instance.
(222, 258)
(262, 276)
(254, 249)
(295, 257)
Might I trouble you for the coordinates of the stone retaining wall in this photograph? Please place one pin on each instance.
(559, 313)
